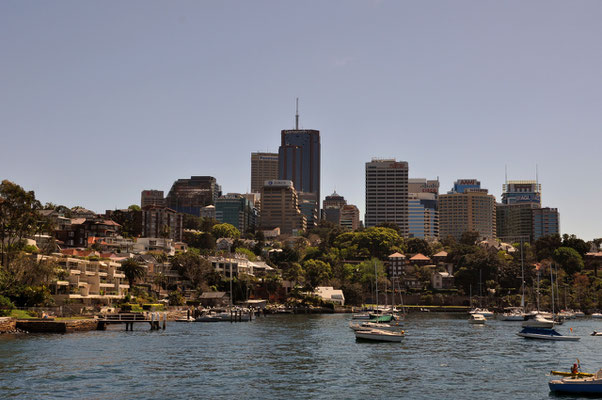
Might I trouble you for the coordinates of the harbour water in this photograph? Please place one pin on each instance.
(293, 356)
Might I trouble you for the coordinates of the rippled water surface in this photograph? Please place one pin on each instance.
(292, 356)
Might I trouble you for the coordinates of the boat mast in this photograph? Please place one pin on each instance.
(552, 287)
(376, 284)
(538, 291)
(522, 272)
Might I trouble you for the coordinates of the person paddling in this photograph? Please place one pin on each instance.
(575, 369)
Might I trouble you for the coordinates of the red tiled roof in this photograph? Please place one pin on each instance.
(420, 257)
(397, 255)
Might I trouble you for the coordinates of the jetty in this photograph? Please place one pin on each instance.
(129, 319)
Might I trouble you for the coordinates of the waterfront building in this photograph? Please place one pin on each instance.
(162, 222)
(350, 217)
(546, 221)
(299, 160)
(152, 198)
(467, 208)
(264, 167)
(280, 207)
(235, 209)
(387, 193)
(87, 282)
(189, 196)
(330, 294)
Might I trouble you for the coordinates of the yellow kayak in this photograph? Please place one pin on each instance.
(578, 374)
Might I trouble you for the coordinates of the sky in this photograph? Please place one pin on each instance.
(100, 100)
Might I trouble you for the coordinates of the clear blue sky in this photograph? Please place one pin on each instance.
(102, 99)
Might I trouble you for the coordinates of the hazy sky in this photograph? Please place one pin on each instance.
(102, 99)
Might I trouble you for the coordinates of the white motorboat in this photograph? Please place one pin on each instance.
(579, 313)
(361, 316)
(512, 315)
(380, 335)
(538, 321)
(597, 315)
(477, 319)
(393, 327)
(545, 334)
(596, 333)
(483, 311)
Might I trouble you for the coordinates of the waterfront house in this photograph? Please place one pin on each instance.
(214, 299)
(330, 294)
(442, 280)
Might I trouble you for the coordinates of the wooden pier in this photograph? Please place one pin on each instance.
(129, 319)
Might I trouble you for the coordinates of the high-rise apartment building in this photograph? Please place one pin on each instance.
(467, 208)
(387, 193)
(264, 167)
(280, 208)
(161, 222)
(191, 195)
(332, 207)
(152, 198)
(299, 160)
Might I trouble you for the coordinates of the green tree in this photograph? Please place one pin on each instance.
(132, 271)
(569, 259)
(293, 272)
(418, 245)
(546, 245)
(19, 218)
(376, 242)
(574, 242)
(192, 267)
(225, 230)
(134, 207)
(316, 272)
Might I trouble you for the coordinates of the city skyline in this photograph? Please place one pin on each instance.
(102, 101)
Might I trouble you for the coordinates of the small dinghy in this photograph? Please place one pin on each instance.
(578, 384)
(596, 333)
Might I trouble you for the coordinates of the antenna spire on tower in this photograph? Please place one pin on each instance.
(297, 116)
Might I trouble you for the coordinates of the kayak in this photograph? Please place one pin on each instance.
(578, 374)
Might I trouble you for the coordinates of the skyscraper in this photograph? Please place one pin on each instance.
(299, 160)
(264, 167)
(387, 193)
(152, 198)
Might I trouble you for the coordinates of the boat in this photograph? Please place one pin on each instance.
(538, 321)
(564, 373)
(187, 319)
(394, 327)
(579, 313)
(578, 385)
(379, 335)
(477, 319)
(512, 315)
(596, 333)
(482, 311)
(545, 334)
(597, 315)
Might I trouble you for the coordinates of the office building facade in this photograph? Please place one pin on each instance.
(152, 198)
(189, 196)
(467, 208)
(280, 207)
(387, 193)
(236, 209)
(264, 167)
(546, 221)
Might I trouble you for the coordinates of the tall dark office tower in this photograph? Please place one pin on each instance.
(299, 160)
(190, 195)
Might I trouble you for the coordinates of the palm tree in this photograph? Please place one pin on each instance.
(132, 270)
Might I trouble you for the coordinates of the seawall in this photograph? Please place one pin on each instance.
(49, 326)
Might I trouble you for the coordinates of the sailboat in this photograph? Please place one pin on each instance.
(535, 329)
(369, 332)
(483, 311)
(518, 314)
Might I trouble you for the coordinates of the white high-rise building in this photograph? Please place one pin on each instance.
(387, 193)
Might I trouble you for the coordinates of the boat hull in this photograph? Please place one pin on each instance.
(563, 386)
(548, 337)
(379, 336)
